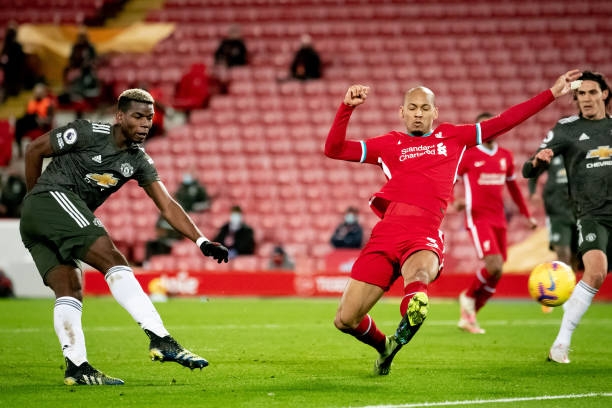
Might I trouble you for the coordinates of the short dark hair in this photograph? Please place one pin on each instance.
(600, 79)
(483, 116)
(133, 95)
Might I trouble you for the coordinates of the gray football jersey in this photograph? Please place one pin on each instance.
(586, 147)
(87, 161)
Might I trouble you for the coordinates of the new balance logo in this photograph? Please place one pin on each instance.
(97, 159)
(583, 137)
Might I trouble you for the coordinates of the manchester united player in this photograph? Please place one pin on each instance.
(584, 142)
(485, 169)
(420, 166)
(90, 162)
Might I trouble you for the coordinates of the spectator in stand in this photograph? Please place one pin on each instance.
(420, 165)
(349, 234)
(81, 83)
(39, 115)
(162, 109)
(306, 63)
(83, 53)
(13, 62)
(485, 169)
(6, 285)
(237, 236)
(232, 50)
(11, 194)
(192, 196)
(280, 260)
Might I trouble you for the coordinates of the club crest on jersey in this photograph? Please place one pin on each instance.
(441, 149)
(105, 180)
(126, 169)
(69, 136)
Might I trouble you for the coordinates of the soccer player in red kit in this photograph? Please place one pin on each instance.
(420, 166)
(485, 169)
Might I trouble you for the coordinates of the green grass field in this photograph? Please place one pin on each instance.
(286, 353)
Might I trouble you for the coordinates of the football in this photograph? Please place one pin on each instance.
(551, 283)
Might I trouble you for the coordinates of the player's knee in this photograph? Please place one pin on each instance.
(65, 280)
(343, 324)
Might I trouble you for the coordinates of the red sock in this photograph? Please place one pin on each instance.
(367, 332)
(487, 290)
(409, 291)
(477, 284)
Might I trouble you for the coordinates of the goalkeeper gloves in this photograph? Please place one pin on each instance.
(214, 250)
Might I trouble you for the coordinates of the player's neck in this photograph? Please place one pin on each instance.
(120, 140)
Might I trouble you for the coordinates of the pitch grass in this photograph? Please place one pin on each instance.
(286, 353)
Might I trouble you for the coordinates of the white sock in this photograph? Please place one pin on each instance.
(129, 294)
(67, 314)
(573, 310)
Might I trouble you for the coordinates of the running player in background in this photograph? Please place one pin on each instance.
(584, 141)
(485, 170)
(90, 162)
(420, 166)
(560, 218)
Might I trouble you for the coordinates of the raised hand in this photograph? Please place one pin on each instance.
(564, 82)
(356, 95)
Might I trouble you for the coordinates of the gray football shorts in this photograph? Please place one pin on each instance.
(595, 234)
(58, 229)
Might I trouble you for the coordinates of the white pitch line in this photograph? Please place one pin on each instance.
(277, 326)
(492, 401)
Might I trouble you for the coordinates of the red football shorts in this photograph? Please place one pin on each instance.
(393, 240)
(489, 239)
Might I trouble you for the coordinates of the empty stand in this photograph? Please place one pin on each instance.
(261, 145)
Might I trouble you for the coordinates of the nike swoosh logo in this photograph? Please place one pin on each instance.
(552, 283)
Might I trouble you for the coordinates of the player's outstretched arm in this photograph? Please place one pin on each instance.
(180, 221)
(537, 164)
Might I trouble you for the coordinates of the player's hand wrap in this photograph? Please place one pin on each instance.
(214, 250)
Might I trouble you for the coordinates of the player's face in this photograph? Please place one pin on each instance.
(418, 112)
(591, 100)
(136, 121)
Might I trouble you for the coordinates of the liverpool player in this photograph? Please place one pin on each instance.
(420, 166)
(584, 142)
(485, 169)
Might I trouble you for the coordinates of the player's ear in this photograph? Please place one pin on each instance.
(400, 112)
(435, 113)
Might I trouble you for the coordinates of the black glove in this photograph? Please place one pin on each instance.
(216, 250)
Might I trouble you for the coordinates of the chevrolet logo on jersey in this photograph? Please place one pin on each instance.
(601, 153)
(105, 180)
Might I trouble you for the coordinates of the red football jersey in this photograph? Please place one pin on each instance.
(485, 172)
(421, 170)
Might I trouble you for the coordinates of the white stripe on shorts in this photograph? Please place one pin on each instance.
(72, 211)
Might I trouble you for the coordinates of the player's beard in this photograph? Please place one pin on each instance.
(416, 133)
